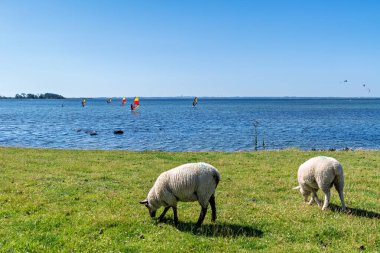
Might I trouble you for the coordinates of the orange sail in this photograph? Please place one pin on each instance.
(123, 101)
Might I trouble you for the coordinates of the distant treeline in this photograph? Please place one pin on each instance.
(35, 96)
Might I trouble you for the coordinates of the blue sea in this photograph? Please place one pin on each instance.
(231, 124)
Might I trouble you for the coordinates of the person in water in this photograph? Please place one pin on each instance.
(195, 102)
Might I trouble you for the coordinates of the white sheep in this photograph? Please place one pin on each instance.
(321, 172)
(188, 182)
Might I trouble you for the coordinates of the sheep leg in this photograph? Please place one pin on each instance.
(319, 202)
(314, 197)
(163, 213)
(342, 200)
(175, 215)
(339, 187)
(311, 200)
(213, 208)
(202, 216)
(327, 199)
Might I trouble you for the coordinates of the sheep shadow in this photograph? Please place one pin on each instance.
(355, 212)
(218, 229)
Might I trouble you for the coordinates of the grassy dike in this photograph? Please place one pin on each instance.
(87, 201)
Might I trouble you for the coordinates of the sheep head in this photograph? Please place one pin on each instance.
(305, 193)
(151, 209)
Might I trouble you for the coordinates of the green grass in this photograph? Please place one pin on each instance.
(87, 201)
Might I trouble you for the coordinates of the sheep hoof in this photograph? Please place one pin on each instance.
(197, 229)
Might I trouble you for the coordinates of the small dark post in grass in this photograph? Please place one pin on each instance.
(255, 125)
(264, 143)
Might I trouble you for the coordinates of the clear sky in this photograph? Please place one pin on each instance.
(193, 48)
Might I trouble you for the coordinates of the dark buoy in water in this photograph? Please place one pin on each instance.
(118, 132)
(91, 132)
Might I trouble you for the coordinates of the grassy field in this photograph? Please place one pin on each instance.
(87, 201)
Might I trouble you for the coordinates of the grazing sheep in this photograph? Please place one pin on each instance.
(188, 182)
(321, 172)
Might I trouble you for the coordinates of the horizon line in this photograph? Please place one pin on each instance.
(213, 97)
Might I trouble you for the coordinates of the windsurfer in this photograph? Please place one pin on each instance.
(195, 101)
(135, 104)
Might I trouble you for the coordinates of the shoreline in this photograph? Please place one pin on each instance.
(332, 150)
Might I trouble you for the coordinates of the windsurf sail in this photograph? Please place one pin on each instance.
(83, 102)
(195, 102)
(123, 101)
(136, 104)
(109, 100)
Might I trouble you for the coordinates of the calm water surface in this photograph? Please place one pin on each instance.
(173, 125)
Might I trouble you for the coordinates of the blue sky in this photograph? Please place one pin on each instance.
(204, 48)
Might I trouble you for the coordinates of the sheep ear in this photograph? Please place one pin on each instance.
(297, 188)
(144, 202)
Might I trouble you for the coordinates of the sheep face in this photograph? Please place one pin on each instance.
(151, 209)
(305, 193)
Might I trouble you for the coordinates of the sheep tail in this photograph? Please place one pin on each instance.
(216, 177)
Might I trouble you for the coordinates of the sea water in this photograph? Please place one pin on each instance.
(172, 124)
